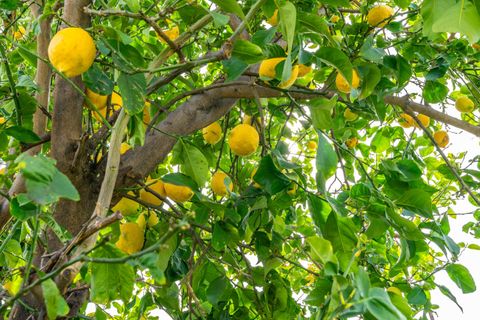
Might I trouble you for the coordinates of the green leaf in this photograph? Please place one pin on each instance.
(401, 67)
(9, 4)
(362, 282)
(446, 292)
(434, 91)
(180, 180)
(59, 187)
(417, 296)
(56, 305)
(194, 165)
(108, 281)
(381, 307)
(247, 51)
(219, 19)
(418, 201)
(321, 112)
(230, 6)
(22, 134)
(326, 161)
(370, 75)
(234, 68)
(381, 141)
(337, 3)
(462, 17)
(133, 89)
(336, 58)
(340, 231)
(269, 177)
(321, 250)
(218, 290)
(24, 211)
(11, 256)
(462, 277)
(97, 81)
(369, 52)
(319, 210)
(288, 19)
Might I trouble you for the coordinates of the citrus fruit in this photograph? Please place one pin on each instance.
(178, 193)
(293, 76)
(425, 120)
(156, 186)
(255, 185)
(406, 121)
(350, 115)
(441, 138)
(151, 222)
(273, 20)
(267, 67)
(124, 147)
(464, 104)
(97, 99)
(72, 51)
(20, 33)
(378, 16)
(212, 133)
(352, 142)
(342, 84)
(218, 183)
(292, 190)
(126, 206)
(243, 140)
(172, 33)
(131, 238)
(312, 145)
(303, 70)
(2, 120)
(334, 18)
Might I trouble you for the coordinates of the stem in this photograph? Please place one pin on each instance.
(12, 85)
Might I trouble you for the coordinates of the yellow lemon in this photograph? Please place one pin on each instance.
(20, 33)
(342, 84)
(303, 70)
(441, 138)
(131, 238)
(464, 104)
(243, 140)
(13, 286)
(124, 147)
(172, 33)
(156, 186)
(406, 121)
(152, 220)
(352, 142)
(126, 206)
(350, 115)
(97, 99)
(273, 20)
(312, 145)
(287, 84)
(425, 120)
(146, 112)
(116, 100)
(212, 133)
(334, 18)
(293, 189)
(178, 193)
(255, 185)
(218, 183)
(72, 51)
(2, 120)
(267, 67)
(378, 16)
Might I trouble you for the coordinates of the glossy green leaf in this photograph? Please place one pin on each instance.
(321, 112)
(326, 161)
(269, 177)
(194, 165)
(22, 134)
(462, 277)
(340, 231)
(247, 51)
(133, 89)
(230, 6)
(338, 59)
(434, 91)
(381, 306)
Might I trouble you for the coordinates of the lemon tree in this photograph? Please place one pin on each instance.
(251, 159)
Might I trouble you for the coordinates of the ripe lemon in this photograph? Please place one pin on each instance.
(97, 99)
(303, 70)
(72, 51)
(178, 193)
(2, 120)
(293, 77)
(124, 147)
(146, 112)
(267, 67)
(334, 18)
(406, 120)
(352, 142)
(312, 145)
(20, 33)
(131, 238)
(152, 220)
(212, 133)
(464, 104)
(115, 101)
(243, 140)
(425, 120)
(441, 138)
(172, 33)
(378, 16)
(156, 186)
(255, 185)
(273, 20)
(218, 183)
(342, 84)
(350, 115)
(126, 206)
